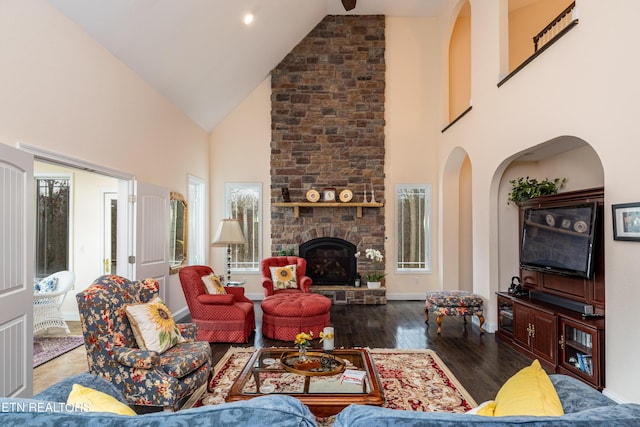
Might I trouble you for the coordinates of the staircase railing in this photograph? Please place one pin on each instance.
(555, 27)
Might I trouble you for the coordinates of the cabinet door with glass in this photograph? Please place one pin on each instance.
(505, 316)
(580, 351)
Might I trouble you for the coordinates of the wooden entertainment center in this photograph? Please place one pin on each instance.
(548, 322)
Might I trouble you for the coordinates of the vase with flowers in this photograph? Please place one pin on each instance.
(303, 341)
(374, 277)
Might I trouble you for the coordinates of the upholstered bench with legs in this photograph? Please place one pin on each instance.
(286, 315)
(453, 303)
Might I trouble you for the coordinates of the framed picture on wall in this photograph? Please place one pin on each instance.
(626, 221)
(329, 194)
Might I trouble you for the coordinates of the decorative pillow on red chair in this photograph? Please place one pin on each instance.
(212, 285)
(284, 277)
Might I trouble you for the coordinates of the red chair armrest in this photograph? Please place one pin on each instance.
(304, 283)
(238, 293)
(267, 284)
(211, 299)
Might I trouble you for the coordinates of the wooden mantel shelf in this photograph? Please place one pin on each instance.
(297, 205)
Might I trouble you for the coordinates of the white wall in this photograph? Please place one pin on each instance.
(465, 236)
(585, 86)
(63, 92)
(241, 152)
(411, 137)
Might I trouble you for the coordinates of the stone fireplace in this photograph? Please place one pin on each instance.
(330, 261)
(327, 131)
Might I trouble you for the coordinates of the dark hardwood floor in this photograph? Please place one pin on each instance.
(482, 363)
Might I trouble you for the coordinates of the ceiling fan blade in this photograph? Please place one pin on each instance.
(349, 4)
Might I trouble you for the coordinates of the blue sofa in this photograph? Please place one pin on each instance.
(48, 409)
(583, 406)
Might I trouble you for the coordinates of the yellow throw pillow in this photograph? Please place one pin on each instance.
(284, 277)
(528, 392)
(153, 326)
(90, 400)
(485, 408)
(212, 285)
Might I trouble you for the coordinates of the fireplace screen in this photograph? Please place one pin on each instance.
(330, 261)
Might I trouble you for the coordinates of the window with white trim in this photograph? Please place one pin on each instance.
(413, 227)
(196, 223)
(53, 227)
(244, 203)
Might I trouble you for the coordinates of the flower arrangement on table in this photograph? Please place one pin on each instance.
(376, 257)
(303, 341)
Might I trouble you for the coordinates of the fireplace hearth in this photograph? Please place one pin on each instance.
(330, 261)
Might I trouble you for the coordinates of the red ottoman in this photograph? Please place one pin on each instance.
(286, 315)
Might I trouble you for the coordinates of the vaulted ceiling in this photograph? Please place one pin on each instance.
(200, 55)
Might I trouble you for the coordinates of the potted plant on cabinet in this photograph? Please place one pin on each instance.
(523, 189)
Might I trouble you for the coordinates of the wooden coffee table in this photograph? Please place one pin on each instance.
(325, 395)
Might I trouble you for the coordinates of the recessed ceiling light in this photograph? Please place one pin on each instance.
(248, 19)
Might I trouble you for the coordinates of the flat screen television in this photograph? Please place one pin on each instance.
(559, 240)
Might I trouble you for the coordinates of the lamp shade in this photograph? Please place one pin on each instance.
(229, 233)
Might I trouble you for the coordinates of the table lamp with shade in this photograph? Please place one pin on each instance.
(228, 233)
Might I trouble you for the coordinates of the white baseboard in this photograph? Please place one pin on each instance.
(71, 316)
(613, 396)
(180, 314)
(406, 297)
(489, 327)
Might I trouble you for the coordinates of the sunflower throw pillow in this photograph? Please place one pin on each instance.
(153, 326)
(284, 277)
(212, 285)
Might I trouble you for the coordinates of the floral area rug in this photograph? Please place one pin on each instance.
(414, 380)
(47, 348)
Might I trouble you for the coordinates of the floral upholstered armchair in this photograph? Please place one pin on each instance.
(282, 274)
(145, 377)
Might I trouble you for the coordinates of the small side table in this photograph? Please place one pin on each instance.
(236, 283)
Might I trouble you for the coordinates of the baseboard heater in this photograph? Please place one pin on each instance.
(580, 307)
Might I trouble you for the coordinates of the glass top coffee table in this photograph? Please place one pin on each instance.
(324, 394)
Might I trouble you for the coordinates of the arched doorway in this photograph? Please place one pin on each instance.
(457, 231)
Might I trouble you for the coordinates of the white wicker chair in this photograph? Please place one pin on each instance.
(46, 306)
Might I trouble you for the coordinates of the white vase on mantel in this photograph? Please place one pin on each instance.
(373, 285)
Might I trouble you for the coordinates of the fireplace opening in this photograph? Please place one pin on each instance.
(330, 261)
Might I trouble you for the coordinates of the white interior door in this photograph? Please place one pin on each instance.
(152, 234)
(110, 239)
(16, 273)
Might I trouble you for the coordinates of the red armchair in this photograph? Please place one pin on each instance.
(220, 318)
(304, 282)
